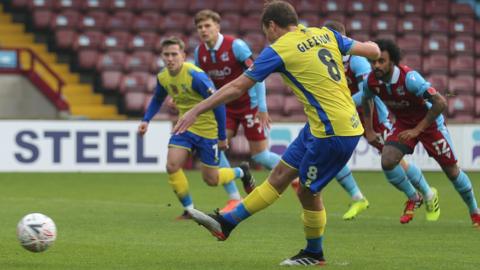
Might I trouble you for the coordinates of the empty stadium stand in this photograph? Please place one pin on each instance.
(117, 41)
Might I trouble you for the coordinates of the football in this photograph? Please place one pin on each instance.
(36, 232)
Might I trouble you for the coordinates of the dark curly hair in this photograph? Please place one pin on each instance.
(392, 49)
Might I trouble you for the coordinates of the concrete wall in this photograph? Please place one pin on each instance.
(19, 98)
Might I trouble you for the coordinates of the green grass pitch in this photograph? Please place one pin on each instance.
(126, 221)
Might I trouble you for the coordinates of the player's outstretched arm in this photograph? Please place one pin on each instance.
(227, 93)
(367, 49)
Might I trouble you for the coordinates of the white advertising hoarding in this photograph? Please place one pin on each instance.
(90, 146)
(114, 146)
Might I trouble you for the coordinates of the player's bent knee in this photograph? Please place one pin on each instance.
(172, 168)
(388, 163)
(210, 180)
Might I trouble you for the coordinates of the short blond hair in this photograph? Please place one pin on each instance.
(173, 40)
(206, 14)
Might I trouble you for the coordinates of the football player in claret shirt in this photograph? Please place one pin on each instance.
(224, 58)
(417, 108)
(357, 68)
(310, 62)
(188, 85)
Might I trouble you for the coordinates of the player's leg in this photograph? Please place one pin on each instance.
(207, 150)
(439, 145)
(391, 156)
(220, 225)
(430, 194)
(323, 160)
(176, 157)
(229, 187)
(359, 202)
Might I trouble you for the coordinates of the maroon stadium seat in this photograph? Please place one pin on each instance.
(333, 6)
(20, 4)
(60, 5)
(117, 40)
(112, 60)
(143, 41)
(461, 10)
(410, 7)
(477, 107)
(414, 61)
(464, 45)
(462, 65)
(275, 103)
(94, 20)
(121, 20)
(121, 5)
(462, 26)
(33, 5)
(308, 6)
(274, 84)
(134, 101)
(461, 107)
(91, 5)
(42, 18)
(436, 25)
(410, 25)
(358, 23)
(197, 5)
(138, 61)
(477, 47)
(65, 20)
(332, 16)
(256, 41)
(384, 25)
(436, 44)
(87, 59)
(192, 42)
(437, 8)
(359, 6)
(435, 63)
(110, 80)
(462, 84)
(477, 67)
(252, 6)
(146, 21)
(175, 5)
(64, 39)
(477, 28)
(292, 106)
(477, 87)
(175, 21)
(134, 81)
(250, 23)
(148, 5)
(410, 43)
(309, 19)
(384, 7)
(229, 6)
(439, 82)
(88, 40)
(230, 22)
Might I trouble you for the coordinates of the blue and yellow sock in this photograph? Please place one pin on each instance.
(260, 198)
(463, 185)
(418, 180)
(178, 182)
(314, 223)
(225, 178)
(267, 159)
(398, 178)
(230, 187)
(347, 181)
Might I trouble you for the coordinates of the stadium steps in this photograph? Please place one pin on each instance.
(84, 103)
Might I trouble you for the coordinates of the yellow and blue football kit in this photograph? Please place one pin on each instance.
(189, 87)
(310, 62)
